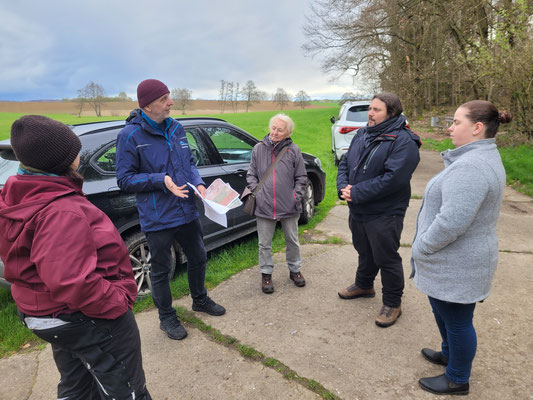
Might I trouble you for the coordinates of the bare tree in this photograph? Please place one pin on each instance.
(348, 96)
(263, 96)
(222, 95)
(282, 98)
(122, 96)
(250, 94)
(182, 98)
(302, 99)
(92, 93)
(235, 97)
(430, 53)
(82, 99)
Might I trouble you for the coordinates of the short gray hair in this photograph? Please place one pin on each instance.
(285, 118)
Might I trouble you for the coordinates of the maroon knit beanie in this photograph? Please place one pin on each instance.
(150, 90)
(44, 144)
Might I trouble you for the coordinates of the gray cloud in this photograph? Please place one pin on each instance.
(50, 49)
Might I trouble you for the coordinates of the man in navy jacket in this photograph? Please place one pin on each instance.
(155, 162)
(374, 178)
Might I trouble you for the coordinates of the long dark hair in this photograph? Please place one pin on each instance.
(73, 175)
(485, 112)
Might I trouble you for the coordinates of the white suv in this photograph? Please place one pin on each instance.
(352, 116)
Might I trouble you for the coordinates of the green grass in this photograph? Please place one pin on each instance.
(7, 119)
(437, 145)
(517, 160)
(518, 163)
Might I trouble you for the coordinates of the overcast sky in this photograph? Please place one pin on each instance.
(50, 49)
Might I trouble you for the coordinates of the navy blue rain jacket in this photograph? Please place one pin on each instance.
(379, 165)
(145, 154)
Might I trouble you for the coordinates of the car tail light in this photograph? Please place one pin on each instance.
(346, 129)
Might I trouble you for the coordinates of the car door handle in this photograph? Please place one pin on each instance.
(240, 172)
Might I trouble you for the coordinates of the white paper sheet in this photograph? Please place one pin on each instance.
(214, 211)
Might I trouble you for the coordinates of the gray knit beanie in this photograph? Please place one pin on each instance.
(44, 144)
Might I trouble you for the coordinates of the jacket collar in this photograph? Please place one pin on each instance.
(452, 155)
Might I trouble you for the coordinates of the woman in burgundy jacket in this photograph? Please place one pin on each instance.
(70, 270)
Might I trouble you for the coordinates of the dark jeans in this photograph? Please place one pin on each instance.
(459, 340)
(377, 243)
(98, 358)
(190, 238)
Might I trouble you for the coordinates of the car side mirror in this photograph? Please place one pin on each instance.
(332, 119)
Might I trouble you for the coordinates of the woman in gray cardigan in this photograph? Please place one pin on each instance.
(455, 249)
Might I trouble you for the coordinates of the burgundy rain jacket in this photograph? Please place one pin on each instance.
(61, 253)
(281, 194)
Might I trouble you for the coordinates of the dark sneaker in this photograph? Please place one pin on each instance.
(353, 292)
(297, 278)
(173, 328)
(435, 357)
(208, 306)
(267, 286)
(442, 385)
(388, 316)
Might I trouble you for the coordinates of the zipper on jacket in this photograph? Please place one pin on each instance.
(274, 185)
(370, 157)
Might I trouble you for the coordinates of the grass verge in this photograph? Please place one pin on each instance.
(252, 354)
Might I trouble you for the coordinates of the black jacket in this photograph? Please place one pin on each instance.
(379, 165)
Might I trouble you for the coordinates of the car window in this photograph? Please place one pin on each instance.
(107, 160)
(8, 165)
(197, 147)
(357, 114)
(232, 145)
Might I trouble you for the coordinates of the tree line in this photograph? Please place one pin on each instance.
(431, 53)
(231, 95)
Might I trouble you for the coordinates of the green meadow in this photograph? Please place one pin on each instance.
(313, 134)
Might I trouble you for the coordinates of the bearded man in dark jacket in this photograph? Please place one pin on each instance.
(374, 178)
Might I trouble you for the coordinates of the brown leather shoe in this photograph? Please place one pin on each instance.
(297, 278)
(388, 316)
(353, 292)
(266, 283)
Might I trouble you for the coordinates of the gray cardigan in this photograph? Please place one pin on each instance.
(455, 249)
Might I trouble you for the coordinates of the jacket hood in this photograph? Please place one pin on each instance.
(135, 117)
(24, 195)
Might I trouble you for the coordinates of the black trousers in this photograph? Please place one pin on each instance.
(190, 238)
(377, 243)
(98, 358)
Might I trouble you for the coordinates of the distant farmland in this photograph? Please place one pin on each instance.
(121, 108)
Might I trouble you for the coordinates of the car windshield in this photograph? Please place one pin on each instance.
(357, 114)
(8, 165)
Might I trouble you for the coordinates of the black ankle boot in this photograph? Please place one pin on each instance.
(442, 385)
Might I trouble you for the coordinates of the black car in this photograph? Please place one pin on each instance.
(220, 150)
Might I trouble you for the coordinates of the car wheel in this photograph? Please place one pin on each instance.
(141, 262)
(336, 159)
(308, 204)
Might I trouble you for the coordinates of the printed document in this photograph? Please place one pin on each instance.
(219, 198)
